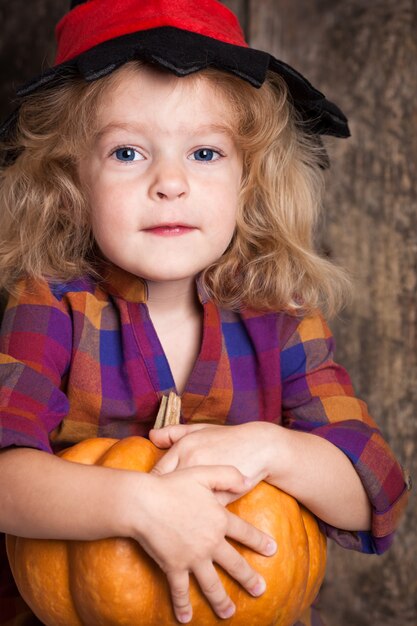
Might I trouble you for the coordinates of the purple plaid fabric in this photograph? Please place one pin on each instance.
(82, 359)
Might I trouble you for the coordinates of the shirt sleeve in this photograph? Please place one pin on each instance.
(318, 398)
(35, 351)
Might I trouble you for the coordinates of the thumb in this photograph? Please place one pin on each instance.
(167, 464)
(168, 435)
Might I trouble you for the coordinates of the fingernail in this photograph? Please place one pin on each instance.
(271, 548)
(184, 618)
(228, 612)
(259, 587)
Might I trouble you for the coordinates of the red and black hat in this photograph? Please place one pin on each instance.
(183, 36)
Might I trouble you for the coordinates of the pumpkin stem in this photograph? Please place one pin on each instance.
(169, 411)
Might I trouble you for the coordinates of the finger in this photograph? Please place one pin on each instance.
(167, 464)
(250, 536)
(222, 478)
(239, 569)
(226, 497)
(168, 435)
(212, 588)
(179, 583)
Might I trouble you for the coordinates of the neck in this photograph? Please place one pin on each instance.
(172, 297)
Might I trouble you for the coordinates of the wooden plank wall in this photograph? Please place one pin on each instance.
(362, 55)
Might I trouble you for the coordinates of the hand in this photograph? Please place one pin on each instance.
(246, 446)
(184, 530)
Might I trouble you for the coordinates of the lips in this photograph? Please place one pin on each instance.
(170, 230)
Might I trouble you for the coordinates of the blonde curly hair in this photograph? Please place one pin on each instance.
(271, 262)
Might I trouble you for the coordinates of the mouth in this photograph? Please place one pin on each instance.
(169, 230)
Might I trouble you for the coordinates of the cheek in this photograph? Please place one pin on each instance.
(223, 225)
(226, 207)
(110, 211)
(107, 229)
(101, 233)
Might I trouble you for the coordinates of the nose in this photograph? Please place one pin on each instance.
(169, 181)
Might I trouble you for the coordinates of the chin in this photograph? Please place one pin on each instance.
(168, 278)
(168, 273)
(164, 275)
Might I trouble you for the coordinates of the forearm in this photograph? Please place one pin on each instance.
(43, 496)
(320, 476)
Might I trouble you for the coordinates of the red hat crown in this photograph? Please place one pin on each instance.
(96, 21)
(183, 36)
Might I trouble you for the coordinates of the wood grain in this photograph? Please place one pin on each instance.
(363, 56)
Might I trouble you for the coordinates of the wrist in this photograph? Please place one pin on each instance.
(276, 449)
(272, 446)
(131, 504)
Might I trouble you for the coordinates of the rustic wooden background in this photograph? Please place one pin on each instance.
(363, 56)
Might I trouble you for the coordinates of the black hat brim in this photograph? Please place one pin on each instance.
(183, 53)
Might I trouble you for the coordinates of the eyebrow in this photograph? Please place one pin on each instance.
(139, 128)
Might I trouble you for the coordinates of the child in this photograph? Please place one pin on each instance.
(158, 197)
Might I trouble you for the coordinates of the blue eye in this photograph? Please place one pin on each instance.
(205, 154)
(126, 155)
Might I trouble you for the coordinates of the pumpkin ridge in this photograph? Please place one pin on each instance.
(89, 451)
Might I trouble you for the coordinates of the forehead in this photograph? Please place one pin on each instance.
(158, 98)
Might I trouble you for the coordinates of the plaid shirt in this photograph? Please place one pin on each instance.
(82, 359)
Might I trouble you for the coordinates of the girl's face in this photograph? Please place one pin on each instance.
(163, 176)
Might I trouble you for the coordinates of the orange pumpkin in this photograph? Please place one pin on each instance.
(113, 582)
